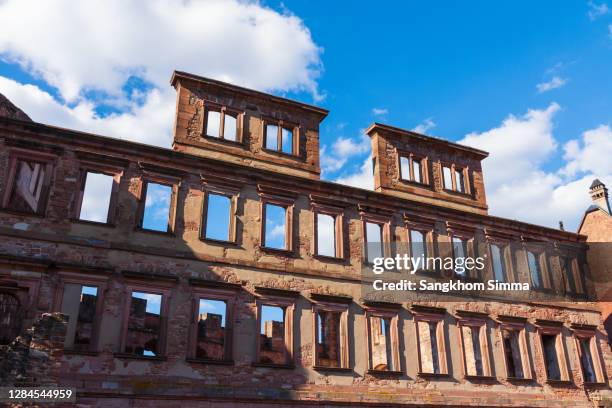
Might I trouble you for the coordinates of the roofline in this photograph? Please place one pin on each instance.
(144, 148)
(376, 125)
(589, 210)
(176, 75)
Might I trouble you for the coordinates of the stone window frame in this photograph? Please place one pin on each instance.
(384, 310)
(385, 222)
(573, 255)
(47, 160)
(541, 253)
(505, 248)
(213, 290)
(428, 315)
(285, 299)
(280, 124)
(223, 109)
(170, 179)
(152, 283)
(280, 201)
(582, 332)
(464, 170)
(553, 328)
(116, 172)
(99, 279)
(425, 180)
(338, 214)
(233, 193)
(468, 234)
(475, 320)
(519, 325)
(332, 303)
(426, 227)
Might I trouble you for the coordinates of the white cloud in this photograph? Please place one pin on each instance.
(363, 178)
(597, 10)
(554, 83)
(424, 126)
(380, 111)
(342, 150)
(97, 45)
(517, 184)
(149, 123)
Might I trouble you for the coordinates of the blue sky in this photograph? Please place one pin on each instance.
(527, 81)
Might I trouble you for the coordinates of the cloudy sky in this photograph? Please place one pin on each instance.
(527, 81)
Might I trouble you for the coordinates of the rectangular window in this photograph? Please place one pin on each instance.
(373, 241)
(498, 263)
(211, 331)
(459, 181)
(222, 123)
(144, 324)
(280, 138)
(460, 252)
(447, 178)
(275, 236)
(418, 244)
(157, 205)
(219, 217)
(272, 343)
(568, 271)
(512, 353)
(535, 269)
(97, 190)
(429, 347)
(80, 303)
(586, 360)
(326, 235)
(411, 169)
(549, 345)
(475, 348)
(30, 186)
(328, 338)
(383, 344)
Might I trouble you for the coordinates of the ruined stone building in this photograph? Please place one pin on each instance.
(264, 313)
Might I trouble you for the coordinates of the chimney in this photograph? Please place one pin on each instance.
(599, 195)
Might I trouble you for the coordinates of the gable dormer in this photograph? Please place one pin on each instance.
(427, 169)
(226, 122)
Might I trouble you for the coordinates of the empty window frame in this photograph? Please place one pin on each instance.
(81, 300)
(97, 196)
(281, 137)
(588, 354)
(418, 243)
(158, 205)
(375, 242)
(331, 336)
(219, 218)
(571, 273)
(431, 349)
(144, 326)
(223, 123)
(460, 246)
(475, 347)
(211, 334)
(514, 346)
(455, 179)
(328, 234)
(413, 168)
(536, 265)
(498, 261)
(383, 344)
(275, 335)
(277, 231)
(552, 347)
(28, 183)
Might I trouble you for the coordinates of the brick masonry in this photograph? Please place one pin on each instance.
(40, 255)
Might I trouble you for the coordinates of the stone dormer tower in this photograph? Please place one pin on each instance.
(599, 194)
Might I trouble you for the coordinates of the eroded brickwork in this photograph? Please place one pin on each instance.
(41, 256)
